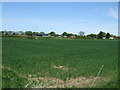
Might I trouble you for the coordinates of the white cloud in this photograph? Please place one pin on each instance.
(113, 13)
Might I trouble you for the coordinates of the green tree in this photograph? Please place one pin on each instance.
(52, 33)
(6, 33)
(14, 33)
(92, 36)
(64, 34)
(35, 33)
(81, 33)
(100, 35)
(108, 35)
(104, 34)
(2, 32)
(28, 33)
(70, 34)
(41, 33)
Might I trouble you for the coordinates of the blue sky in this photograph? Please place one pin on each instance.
(72, 17)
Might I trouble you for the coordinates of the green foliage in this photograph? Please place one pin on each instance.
(81, 35)
(14, 33)
(64, 34)
(92, 36)
(35, 33)
(41, 33)
(100, 35)
(52, 34)
(6, 33)
(29, 33)
(69, 34)
(104, 34)
(10, 79)
(108, 35)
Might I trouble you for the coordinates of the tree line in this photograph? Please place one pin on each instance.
(81, 34)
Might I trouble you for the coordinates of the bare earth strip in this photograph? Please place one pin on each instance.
(76, 82)
(60, 67)
(45, 82)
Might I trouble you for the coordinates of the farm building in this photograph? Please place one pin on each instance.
(72, 36)
(45, 35)
(60, 36)
(104, 37)
(111, 38)
(64, 36)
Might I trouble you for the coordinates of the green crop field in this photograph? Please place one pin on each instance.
(62, 63)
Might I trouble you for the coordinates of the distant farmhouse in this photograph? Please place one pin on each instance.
(45, 35)
(73, 36)
(111, 37)
(64, 36)
(41, 35)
